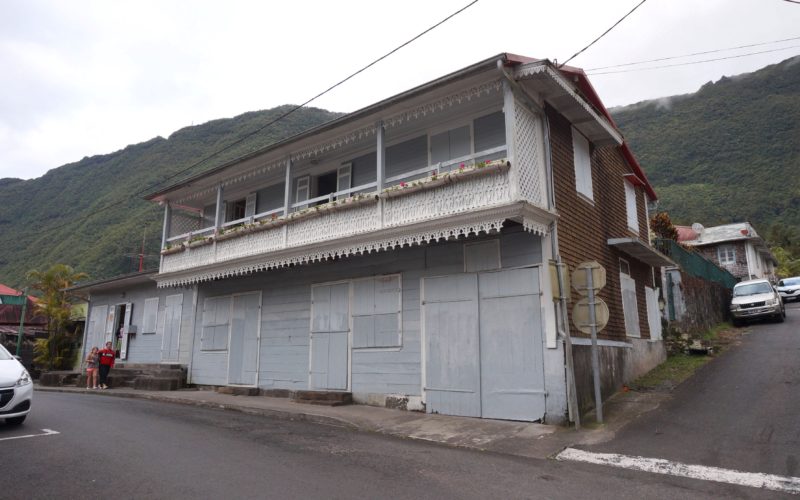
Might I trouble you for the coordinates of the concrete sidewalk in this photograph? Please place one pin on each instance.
(515, 438)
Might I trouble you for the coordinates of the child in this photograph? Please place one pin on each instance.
(91, 368)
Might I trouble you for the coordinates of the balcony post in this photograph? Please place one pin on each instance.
(509, 110)
(287, 194)
(380, 155)
(167, 223)
(218, 216)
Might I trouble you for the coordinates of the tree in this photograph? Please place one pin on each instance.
(662, 226)
(55, 304)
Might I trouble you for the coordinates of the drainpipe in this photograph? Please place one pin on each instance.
(563, 325)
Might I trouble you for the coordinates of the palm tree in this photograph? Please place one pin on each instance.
(54, 304)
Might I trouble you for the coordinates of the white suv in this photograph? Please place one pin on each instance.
(756, 299)
(16, 389)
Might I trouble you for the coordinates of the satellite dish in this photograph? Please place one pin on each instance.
(697, 227)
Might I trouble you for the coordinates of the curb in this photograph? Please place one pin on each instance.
(248, 410)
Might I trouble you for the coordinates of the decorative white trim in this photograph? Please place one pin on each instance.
(528, 71)
(343, 249)
(467, 95)
(534, 226)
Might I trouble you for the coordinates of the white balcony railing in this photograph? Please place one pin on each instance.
(351, 224)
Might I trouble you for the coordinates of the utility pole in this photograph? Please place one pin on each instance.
(22, 320)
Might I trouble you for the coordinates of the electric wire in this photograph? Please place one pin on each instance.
(282, 116)
(631, 70)
(300, 106)
(576, 54)
(694, 54)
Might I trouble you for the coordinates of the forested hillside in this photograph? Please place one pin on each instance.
(729, 152)
(83, 214)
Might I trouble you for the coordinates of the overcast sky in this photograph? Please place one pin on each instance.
(79, 78)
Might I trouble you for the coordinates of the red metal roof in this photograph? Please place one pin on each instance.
(686, 233)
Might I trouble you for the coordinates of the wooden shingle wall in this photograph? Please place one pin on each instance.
(585, 227)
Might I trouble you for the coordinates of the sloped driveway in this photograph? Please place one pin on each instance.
(740, 412)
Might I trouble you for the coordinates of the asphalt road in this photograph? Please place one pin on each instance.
(120, 448)
(741, 412)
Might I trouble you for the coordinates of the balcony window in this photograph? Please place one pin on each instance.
(235, 210)
(449, 145)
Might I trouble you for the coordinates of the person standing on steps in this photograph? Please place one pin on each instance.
(91, 368)
(107, 356)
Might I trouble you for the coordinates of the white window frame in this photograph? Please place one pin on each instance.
(624, 267)
(345, 171)
(631, 206)
(303, 184)
(399, 344)
(150, 310)
(726, 254)
(582, 158)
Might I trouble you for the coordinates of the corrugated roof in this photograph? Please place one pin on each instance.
(727, 232)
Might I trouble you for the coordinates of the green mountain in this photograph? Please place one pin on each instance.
(729, 152)
(88, 214)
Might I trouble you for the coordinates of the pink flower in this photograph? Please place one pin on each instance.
(462, 166)
(402, 184)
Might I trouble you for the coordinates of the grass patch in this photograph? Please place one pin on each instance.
(682, 365)
(670, 373)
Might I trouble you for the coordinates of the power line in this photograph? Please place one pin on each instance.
(693, 62)
(694, 54)
(284, 115)
(281, 117)
(576, 54)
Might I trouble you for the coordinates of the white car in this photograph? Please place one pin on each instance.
(756, 299)
(789, 288)
(16, 389)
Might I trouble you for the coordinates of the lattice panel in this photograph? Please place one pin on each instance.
(526, 157)
(331, 226)
(192, 257)
(476, 226)
(256, 243)
(184, 222)
(450, 199)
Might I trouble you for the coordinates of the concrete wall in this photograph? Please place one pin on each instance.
(620, 363)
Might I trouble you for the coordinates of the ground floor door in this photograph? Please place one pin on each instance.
(483, 345)
(95, 333)
(330, 336)
(172, 328)
(245, 324)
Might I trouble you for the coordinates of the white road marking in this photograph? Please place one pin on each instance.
(786, 484)
(47, 432)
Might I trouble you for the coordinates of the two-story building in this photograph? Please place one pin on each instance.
(403, 252)
(735, 247)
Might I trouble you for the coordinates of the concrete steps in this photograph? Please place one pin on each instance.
(323, 398)
(146, 377)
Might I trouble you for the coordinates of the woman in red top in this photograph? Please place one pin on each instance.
(107, 356)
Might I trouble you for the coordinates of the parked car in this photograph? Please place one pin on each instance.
(756, 299)
(789, 288)
(16, 389)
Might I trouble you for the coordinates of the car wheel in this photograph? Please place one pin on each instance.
(15, 420)
(737, 323)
